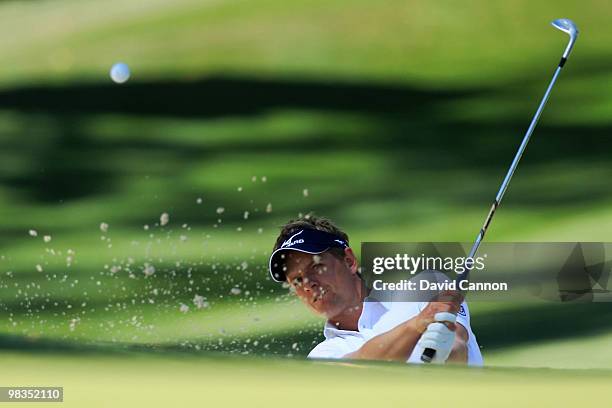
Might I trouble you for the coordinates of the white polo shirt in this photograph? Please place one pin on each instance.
(380, 317)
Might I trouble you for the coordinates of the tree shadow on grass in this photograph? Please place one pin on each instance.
(66, 163)
(221, 96)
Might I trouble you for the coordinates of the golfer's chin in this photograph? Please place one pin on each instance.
(325, 306)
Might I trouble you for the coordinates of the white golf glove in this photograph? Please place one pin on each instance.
(438, 337)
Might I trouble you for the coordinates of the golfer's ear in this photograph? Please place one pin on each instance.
(350, 260)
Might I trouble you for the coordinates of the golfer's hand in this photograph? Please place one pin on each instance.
(439, 336)
(446, 302)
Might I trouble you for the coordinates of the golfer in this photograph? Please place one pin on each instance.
(313, 256)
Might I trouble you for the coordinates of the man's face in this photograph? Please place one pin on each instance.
(325, 283)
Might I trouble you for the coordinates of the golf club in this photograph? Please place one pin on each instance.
(568, 27)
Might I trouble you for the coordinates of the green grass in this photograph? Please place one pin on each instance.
(399, 119)
(587, 352)
(435, 44)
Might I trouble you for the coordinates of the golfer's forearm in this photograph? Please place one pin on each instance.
(395, 345)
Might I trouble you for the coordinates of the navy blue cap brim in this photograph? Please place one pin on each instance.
(308, 241)
(277, 264)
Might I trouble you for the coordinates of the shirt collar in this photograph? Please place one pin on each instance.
(371, 313)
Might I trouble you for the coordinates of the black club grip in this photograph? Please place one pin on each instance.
(428, 355)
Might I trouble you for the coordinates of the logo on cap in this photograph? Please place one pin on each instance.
(290, 242)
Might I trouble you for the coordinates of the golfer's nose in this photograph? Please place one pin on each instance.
(310, 283)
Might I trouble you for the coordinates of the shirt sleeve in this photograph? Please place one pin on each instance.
(463, 316)
(331, 349)
(473, 348)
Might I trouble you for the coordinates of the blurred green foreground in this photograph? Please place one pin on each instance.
(161, 382)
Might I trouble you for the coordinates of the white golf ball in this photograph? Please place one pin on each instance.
(120, 72)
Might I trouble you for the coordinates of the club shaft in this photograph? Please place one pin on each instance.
(428, 353)
(511, 170)
(568, 27)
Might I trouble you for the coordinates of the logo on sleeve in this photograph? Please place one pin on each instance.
(462, 311)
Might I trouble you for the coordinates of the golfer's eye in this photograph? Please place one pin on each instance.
(297, 282)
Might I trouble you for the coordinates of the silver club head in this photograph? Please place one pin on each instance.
(567, 26)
